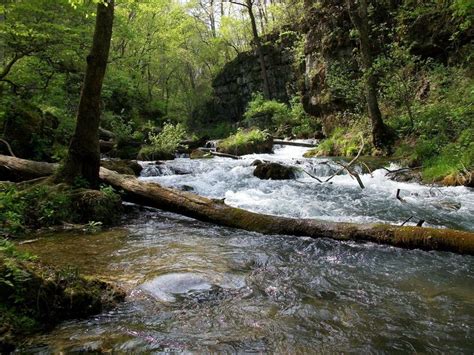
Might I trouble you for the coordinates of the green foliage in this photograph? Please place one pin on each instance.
(11, 211)
(262, 113)
(302, 124)
(464, 9)
(169, 138)
(9, 249)
(345, 141)
(164, 144)
(442, 136)
(219, 130)
(283, 119)
(45, 205)
(93, 227)
(246, 142)
(123, 130)
(344, 85)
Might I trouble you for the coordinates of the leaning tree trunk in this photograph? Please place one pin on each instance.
(83, 159)
(216, 211)
(360, 20)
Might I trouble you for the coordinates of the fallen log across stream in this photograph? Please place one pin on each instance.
(217, 212)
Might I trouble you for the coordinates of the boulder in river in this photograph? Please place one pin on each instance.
(274, 171)
(123, 166)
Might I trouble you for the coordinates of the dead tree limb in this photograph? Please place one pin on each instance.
(217, 212)
(219, 154)
(346, 167)
(8, 147)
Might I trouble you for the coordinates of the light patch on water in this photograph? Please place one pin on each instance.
(166, 287)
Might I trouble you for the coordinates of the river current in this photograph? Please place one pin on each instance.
(196, 287)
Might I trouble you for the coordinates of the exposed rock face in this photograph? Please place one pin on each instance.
(273, 171)
(429, 32)
(234, 85)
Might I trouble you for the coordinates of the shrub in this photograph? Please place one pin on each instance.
(345, 142)
(264, 113)
(164, 144)
(44, 205)
(281, 118)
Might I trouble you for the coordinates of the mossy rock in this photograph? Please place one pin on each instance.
(34, 297)
(199, 154)
(45, 204)
(312, 153)
(459, 179)
(123, 166)
(150, 153)
(242, 143)
(98, 206)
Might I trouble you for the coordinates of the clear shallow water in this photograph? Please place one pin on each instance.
(340, 200)
(195, 287)
(200, 288)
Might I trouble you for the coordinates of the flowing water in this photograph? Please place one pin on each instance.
(196, 287)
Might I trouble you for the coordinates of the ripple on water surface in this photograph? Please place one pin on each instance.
(201, 288)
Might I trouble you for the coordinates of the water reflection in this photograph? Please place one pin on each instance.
(251, 293)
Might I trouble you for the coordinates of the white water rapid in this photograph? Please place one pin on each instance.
(340, 200)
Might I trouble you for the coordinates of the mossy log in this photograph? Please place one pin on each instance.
(215, 211)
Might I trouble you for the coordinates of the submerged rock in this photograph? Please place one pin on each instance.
(273, 171)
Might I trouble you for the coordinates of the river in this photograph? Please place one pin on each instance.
(196, 287)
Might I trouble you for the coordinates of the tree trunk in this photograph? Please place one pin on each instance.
(360, 20)
(216, 211)
(266, 86)
(83, 159)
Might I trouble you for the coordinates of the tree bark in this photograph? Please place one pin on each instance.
(360, 20)
(258, 44)
(83, 158)
(216, 211)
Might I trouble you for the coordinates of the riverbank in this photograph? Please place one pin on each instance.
(35, 297)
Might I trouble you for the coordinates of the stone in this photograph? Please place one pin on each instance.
(274, 171)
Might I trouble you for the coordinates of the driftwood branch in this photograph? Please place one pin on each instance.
(346, 167)
(292, 143)
(217, 212)
(310, 175)
(406, 221)
(399, 198)
(219, 154)
(8, 147)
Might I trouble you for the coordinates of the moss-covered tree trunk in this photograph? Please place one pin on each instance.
(358, 12)
(83, 159)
